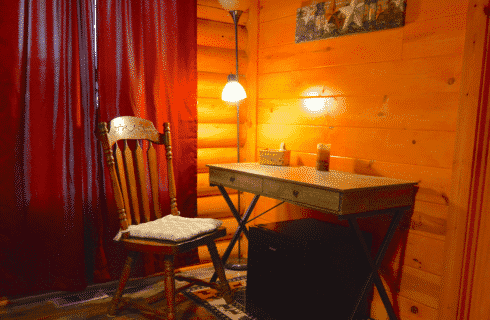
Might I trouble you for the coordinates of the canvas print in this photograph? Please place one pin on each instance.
(334, 18)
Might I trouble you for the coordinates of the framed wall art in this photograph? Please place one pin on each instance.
(334, 18)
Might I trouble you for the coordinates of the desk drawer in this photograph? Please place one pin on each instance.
(235, 180)
(225, 178)
(306, 195)
(249, 183)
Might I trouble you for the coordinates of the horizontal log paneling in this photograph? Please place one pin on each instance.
(372, 47)
(434, 183)
(436, 37)
(394, 111)
(422, 10)
(222, 245)
(389, 145)
(220, 60)
(269, 32)
(430, 218)
(424, 253)
(210, 85)
(211, 110)
(231, 225)
(220, 35)
(204, 189)
(216, 207)
(269, 10)
(407, 77)
(212, 10)
(215, 155)
(420, 286)
(222, 135)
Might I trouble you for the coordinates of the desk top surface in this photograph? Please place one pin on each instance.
(333, 180)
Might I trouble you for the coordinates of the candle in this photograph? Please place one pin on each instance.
(323, 157)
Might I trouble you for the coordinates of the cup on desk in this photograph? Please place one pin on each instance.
(323, 157)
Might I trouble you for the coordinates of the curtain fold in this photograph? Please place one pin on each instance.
(48, 183)
(147, 58)
(56, 230)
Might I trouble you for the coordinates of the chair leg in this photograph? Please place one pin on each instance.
(122, 283)
(218, 266)
(169, 286)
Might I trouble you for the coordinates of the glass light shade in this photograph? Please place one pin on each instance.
(230, 5)
(233, 90)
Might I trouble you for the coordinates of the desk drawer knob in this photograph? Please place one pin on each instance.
(232, 179)
(295, 193)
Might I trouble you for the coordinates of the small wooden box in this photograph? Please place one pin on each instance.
(274, 157)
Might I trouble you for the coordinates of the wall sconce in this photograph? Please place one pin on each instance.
(314, 103)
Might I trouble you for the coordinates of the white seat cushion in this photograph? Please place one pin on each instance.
(172, 228)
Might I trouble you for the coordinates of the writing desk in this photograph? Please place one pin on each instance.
(347, 195)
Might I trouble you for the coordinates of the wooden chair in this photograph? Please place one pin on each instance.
(128, 174)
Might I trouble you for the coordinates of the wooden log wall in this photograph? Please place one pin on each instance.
(217, 138)
(391, 102)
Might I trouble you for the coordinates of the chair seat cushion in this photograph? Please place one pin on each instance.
(172, 228)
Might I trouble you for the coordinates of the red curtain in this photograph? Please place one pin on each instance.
(147, 58)
(55, 232)
(48, 179)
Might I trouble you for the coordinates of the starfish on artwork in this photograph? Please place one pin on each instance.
(399, 4)
(353, 12)
(329, 27)
(308, 13)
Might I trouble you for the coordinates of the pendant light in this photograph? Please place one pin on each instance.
(233, 91)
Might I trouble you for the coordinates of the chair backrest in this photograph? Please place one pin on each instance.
(132, 163)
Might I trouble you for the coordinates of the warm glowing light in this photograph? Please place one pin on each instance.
(314, 103)
(319, 100)
(233, 90)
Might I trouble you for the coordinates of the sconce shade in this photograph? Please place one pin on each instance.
(230, 5)
(233, 90)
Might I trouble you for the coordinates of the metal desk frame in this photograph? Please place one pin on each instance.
(375, 264)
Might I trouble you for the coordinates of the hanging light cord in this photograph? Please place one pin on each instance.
(235, 14)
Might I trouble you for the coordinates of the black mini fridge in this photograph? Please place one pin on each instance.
(305, 269)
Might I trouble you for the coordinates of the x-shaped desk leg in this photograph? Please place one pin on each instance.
(241, 224)
(374, 265)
